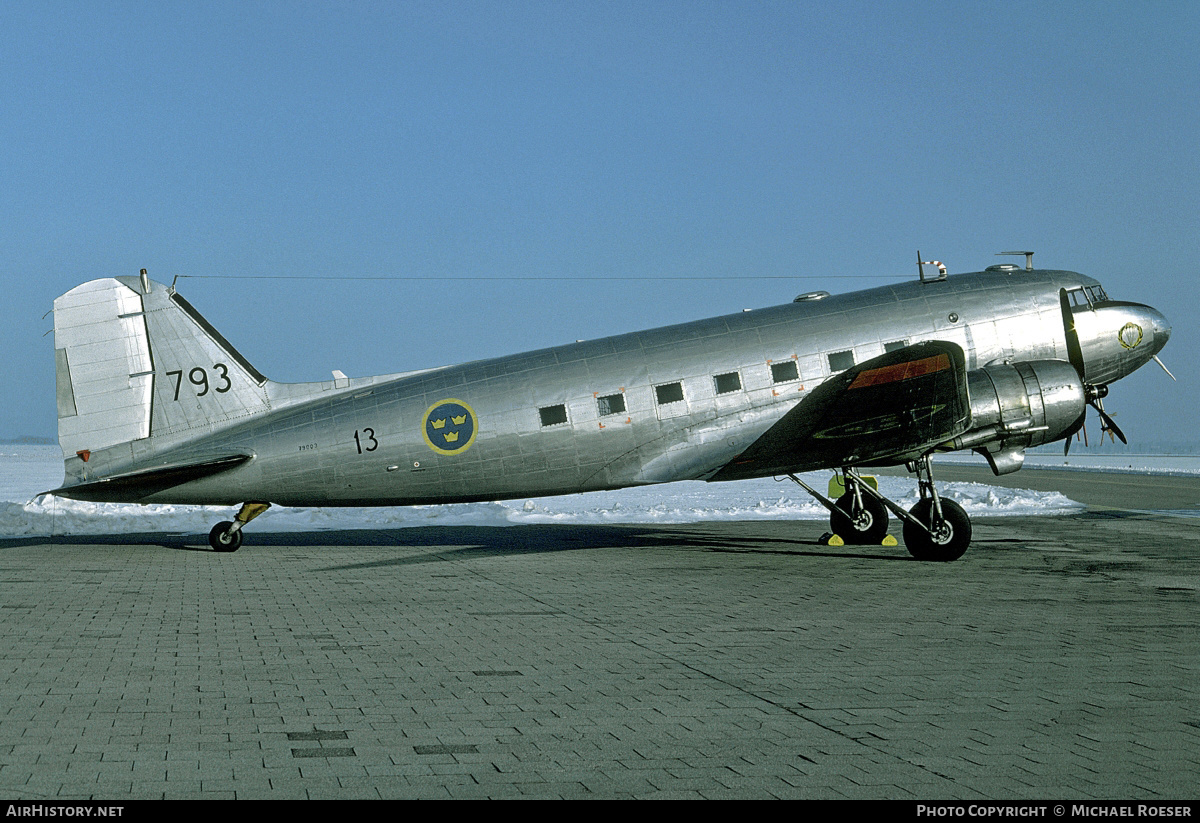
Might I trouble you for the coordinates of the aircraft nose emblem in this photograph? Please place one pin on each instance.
(449, 426)
(1130, 335)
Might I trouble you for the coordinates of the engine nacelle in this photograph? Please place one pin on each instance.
(1014, 407)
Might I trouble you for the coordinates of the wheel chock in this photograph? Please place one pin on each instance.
(828, 539)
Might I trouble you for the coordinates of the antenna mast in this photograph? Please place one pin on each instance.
(921, 264)
(1028, 257)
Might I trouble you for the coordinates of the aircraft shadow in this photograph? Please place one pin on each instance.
(450, 543)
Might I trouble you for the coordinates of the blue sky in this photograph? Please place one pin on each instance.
(605, 145)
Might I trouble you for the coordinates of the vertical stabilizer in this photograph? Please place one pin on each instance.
(134, 361)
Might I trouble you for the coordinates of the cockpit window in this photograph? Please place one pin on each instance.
(1077, 298)
(1096, 293)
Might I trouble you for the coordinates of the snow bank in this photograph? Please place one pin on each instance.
(25, 470)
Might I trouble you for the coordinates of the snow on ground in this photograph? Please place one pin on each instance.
(1080, 460)
(27, 470)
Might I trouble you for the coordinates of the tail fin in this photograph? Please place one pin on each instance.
(134, 360)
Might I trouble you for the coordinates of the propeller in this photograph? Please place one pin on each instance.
(1081, 433)
(1074, 351)
(1093, 394)
(1108, 425)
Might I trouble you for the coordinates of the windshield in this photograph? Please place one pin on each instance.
(1086, 297)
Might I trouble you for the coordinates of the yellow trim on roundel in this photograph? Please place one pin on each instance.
(457, 419)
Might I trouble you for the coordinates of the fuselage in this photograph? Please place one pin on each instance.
(672, 403)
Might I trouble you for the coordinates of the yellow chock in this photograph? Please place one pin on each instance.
(828, 539)
(888, 540)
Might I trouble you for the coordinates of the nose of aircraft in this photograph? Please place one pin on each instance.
(1160, 327)
(1126, 337)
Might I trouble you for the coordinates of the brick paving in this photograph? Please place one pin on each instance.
(1058, 659)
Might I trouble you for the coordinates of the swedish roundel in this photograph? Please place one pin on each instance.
(449, 426)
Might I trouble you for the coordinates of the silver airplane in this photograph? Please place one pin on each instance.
(155, 406)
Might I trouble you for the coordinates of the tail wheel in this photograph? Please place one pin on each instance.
(867, 528)
(945, 540)
(222, 539)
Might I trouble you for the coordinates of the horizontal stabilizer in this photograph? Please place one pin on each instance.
(135, 486)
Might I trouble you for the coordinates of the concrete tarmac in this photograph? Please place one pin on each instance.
(1057, 660)
(1096, 489)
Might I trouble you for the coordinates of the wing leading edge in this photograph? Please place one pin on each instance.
(887, 410)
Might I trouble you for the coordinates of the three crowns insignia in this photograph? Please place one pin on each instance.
(441, 424)
(453, 431)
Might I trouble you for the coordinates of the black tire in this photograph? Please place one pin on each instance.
(869, 529)
(222, 540)
(949, 541)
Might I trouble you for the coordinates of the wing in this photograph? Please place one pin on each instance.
(892, 408)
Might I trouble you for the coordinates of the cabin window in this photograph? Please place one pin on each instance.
(553, 415)
(669, 393)
(895, 345)
(841, 360)
(728, 382)
(785, 371)
(610, 404)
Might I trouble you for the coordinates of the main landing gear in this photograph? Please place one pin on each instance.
(936, 528)
(227, 536)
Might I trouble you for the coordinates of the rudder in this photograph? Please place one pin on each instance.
(134, 360)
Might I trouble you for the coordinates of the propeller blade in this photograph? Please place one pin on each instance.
(1074, 352)
(1111, 426)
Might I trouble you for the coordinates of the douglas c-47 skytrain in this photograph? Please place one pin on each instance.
(155, 406)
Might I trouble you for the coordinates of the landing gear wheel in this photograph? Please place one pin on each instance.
(222, 540)
(867, 529)
(950, 537)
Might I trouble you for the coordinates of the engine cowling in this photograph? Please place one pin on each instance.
(1016, 406)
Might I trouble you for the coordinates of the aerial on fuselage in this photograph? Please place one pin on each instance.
(155, 406)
